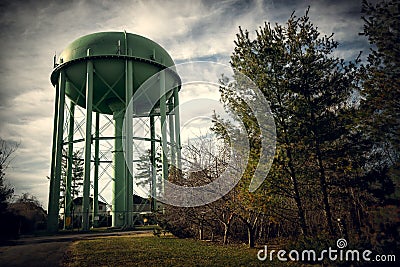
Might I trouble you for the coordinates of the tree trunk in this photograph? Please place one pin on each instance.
(226, 233)
(324, 189)
(201, 231)
(227, 226)
(355, 213)
(251, 236)
(251, 229)
(297, 199)
(293, 176)
(268, 231)
(300, 209)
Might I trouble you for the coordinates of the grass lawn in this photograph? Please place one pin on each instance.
(148, 250)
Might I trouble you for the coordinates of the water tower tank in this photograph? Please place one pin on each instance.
(108, 51)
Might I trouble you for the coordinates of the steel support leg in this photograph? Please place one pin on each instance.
(55, 179)
(95, 217)
(177, 128)
(68, 182)
(88, 142)
(172, 132)
(153, 166)
(119, 202)
(164, 140)
(53, 158)
(129, 143)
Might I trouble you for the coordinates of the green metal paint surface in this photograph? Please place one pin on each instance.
(109, 51)
(113, 43)
(110, 67)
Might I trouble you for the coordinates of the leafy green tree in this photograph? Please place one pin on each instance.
(28, 213)
(144, 170)
(308, 89)
(28, 198)
(77, 175)
(380, 106)
(379, 119)
(8, 228)
(6, 191)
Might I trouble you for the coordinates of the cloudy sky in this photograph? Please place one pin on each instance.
(33, 31)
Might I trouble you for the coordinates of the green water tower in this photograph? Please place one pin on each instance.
(101, 72)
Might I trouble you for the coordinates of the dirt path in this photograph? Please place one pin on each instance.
(44, 251)
(37, 254)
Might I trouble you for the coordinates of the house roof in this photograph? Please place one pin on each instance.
(139, 200)
(136, 200)
(79, 200)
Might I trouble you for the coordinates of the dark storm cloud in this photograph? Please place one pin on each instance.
(20, 48)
